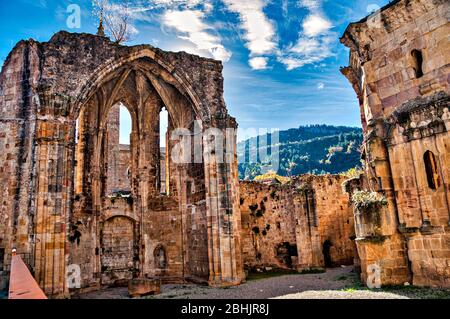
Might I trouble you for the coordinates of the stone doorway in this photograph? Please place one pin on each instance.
(326, 253)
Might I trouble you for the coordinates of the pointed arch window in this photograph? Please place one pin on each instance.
(431, 169)
(417, 63)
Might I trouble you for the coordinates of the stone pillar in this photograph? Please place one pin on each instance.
(308, 239)
(223, 212)
(53, 198)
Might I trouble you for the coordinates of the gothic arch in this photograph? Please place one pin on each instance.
(175, 77)
(58, 80)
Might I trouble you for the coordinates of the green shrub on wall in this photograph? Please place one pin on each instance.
(368, 202)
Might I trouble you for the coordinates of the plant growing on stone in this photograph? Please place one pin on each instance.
(352, 173)
(364, 200)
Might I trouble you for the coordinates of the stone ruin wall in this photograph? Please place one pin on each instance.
(55, 217)
(15, 155)
(289, 225)
(399, 68)
(404, 115)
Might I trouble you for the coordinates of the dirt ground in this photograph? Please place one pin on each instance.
(335, 283)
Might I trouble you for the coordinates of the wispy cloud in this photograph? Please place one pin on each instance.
(311, 4)
(258, 63)
(37, 3)
(259, 31)
(190, 21)
(315, 40)
(187, 18)
(191, 27)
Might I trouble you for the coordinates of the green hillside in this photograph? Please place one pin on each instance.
(315, 149)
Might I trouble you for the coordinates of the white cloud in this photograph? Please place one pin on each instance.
(186, 17)
(320, 86)
(315, 24)
(307, 51)
(190, 25)
(315, 40)
(259, 31)
(258, 63)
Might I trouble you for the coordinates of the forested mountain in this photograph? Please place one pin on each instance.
(315, 149)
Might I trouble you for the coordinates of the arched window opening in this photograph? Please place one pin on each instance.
(431, 170)
(77, 131)
(119, 150)
(163, 167)
(124, 125)
(129, 173)
(417, 63)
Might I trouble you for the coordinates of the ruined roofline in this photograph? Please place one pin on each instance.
(138, 46)
(382, 9)
(296, 178)
(401, 8)
(16, 47)
(60, 35)
(347, 38)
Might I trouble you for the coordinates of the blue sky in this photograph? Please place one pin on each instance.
(281, 57)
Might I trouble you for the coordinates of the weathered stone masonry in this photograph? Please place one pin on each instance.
(302, 225)
(77, 197)
(399, 68)
(56, 218)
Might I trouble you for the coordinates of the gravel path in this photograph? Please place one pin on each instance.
(336, 283)
(331, 294)
(333, 279)
(264, 288)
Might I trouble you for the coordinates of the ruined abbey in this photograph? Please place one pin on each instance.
(74, 200)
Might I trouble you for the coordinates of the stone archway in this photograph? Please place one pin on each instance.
(81, 75)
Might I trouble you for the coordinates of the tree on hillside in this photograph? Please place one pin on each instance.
(290, 168)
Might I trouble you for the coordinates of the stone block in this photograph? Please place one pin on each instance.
(143, 287)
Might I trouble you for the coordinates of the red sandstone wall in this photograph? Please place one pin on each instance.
(275, 217)
(18, 104)
(268, 221)
(405, 115)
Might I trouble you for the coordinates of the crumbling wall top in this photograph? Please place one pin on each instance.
(72, 63)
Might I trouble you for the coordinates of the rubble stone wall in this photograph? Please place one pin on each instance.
(305, 224)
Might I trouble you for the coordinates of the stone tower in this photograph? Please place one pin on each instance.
(399, 68)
